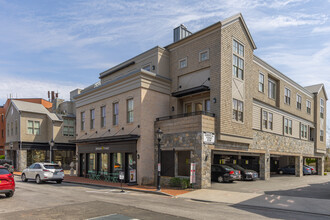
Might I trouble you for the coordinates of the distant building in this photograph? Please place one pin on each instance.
(31, 127)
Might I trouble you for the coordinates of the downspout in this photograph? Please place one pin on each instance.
(20, 143)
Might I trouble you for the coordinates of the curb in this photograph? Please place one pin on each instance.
(116, 187)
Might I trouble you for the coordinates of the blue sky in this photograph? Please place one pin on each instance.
(62, 45)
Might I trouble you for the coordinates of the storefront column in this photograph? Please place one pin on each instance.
(320, 166)
(22, 160)
(264, 166)
(299, 166)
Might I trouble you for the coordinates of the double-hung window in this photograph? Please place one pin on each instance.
(270, 121)
(287, 126)
(92, 118)
(261, 82)
(265, 120)
(238, 62)
(321, 108)
(321, 135)
(271, 89)
(103, 117)
(68, 127)
(82, 120)
(115, 111)
(287, 96)
(308, 106)
(33, 127)
(130, 108)
(183, 63)
(30, 127)
(237, 110)
(299, 100)
(303, 131)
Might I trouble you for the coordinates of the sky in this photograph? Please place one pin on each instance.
(62, 45)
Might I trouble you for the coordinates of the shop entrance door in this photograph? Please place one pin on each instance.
(130, 168)
(82, 167)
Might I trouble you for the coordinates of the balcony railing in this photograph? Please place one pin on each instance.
(185, 115)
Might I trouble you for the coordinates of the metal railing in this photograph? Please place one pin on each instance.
(185, 115)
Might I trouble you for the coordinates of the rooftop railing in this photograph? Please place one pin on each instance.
(185, 115)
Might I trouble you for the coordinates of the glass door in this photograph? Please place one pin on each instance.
(130, 168)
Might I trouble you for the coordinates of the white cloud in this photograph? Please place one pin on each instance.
(26, 88)
(321, 29)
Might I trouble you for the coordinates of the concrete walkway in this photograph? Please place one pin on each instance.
(304, 197)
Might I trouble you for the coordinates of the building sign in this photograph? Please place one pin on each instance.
(132, 175)
(193, 173)
(102, 148)
(208, 138)
(121, 175)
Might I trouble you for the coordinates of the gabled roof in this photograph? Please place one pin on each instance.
(22, 106)
(317, 89)
(234, 18)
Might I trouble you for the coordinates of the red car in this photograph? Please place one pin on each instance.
(7, 182)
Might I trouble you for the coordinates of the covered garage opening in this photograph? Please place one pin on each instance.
(245, 160)
(279, 162)
(312, 162)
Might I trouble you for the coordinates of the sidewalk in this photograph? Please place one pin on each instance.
(276, 202)
(146, 189)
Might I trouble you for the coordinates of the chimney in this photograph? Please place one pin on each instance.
(180, 32)
(53, 96)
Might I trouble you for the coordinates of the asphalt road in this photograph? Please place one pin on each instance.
(71, 201)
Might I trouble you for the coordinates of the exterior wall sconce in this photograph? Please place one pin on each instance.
(206, 157)
(153, 67)
(138, 156)
(214, 100)
(173, 108)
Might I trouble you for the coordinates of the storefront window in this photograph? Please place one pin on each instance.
(34, 156)
(64, 158)
(103, 163)
(183, 163)
(117, 162)
(91, 163)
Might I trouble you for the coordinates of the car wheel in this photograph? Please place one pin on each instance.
(220, 179)
(230, 181)
(38, 180)
(23, 178)
(10, 194)
(281, 172)
(59, 181)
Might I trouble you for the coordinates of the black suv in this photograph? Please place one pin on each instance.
(8, 164)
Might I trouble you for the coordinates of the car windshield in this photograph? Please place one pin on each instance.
(237, 167)
(57, 167)
(3, 171)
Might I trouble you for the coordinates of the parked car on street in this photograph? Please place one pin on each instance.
(290, 169)
(224, 173)
(42, 172)
(8, 164)
(7, 182)
(245, 173)
(313, 170)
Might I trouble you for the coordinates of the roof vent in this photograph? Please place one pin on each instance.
(180, 33)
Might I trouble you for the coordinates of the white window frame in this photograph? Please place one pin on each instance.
(308, 106)
(130, 112)
(297, 99)
(183, 60)
(115, 114)
(92, 118)
(261, 83)
(271, 81)
(321, 108)
(103, 116)
(236, 112)
(287, 96)
(207, 55)
(82, 121)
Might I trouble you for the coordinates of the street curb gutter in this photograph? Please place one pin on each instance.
(116, 187)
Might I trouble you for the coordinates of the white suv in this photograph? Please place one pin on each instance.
(41, 172)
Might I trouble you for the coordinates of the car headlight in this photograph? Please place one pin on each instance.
(248, 173)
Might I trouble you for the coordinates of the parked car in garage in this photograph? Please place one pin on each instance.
(245, 173)
(224, 173)
(8, 164)
(313, 170)
(42, 172)
(290, 169)
(7, 182)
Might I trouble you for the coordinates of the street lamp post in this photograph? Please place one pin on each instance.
(11, 151)
(51, 145)
(159, 134)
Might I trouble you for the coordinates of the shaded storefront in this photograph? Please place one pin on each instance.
(106, 157)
